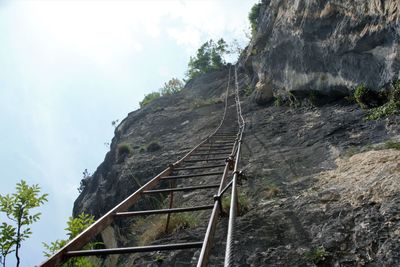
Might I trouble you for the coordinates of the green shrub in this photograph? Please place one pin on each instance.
(392, 106)
(395, 94)
(367, 98)
(279, 101)
(153, 146)
(124, 149)
(149, 98)
(387, 109)
(171, 87)
(392, 145)
(316, 255)
(209, 57)
(362, 95)
(253, 17)
(159, 258)
(248, 90)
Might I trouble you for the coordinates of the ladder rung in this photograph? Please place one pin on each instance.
(191, 175)
(212, 149)
(207, 154)
(110, 251)
(199, 160)
(218, 147)
(189, 188)
(200, 167)
(174, 210)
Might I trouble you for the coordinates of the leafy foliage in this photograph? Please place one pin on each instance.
(367, 98)
(392, 106)
(7, 237)
(209, 57)
(390, 144)
(149, 98)
(253, 17)
(74, 227)
(362, 95)
(18, 209)
(173, 86)
(316, 255)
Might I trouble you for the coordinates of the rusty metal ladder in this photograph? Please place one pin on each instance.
(219, 150)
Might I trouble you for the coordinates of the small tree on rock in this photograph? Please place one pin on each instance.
(173, 86)
(209, 57)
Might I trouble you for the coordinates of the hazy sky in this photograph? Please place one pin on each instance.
(68, 68)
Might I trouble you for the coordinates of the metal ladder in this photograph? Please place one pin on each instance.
(216, 156)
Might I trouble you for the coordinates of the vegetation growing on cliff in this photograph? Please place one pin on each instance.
(155, 226)
(173, 86)
(316, 255)
(381, 103)
(243, 204)
(392, 106)
(209, 57)
(253, 17)
(124, 149)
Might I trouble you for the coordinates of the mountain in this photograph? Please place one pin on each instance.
(321, 181)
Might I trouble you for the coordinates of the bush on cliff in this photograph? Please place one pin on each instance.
(209, 57)
(149, 98)
(171, 87)
(392, 106)
(253, 17)
(123, 150)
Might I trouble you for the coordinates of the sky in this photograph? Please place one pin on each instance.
(69, 68)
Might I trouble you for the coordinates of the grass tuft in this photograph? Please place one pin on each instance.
(124, 149)
(155, 227)
(243, 203)
(316, 255)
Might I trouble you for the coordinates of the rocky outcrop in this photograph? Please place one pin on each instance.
(325, 47)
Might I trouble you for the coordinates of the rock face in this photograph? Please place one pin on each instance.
(324, 196)
(322, 189)
(325, 47)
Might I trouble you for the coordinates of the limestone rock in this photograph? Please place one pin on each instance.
(263, 92)
(326, 46)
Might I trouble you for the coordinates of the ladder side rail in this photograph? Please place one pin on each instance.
(229, 250)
